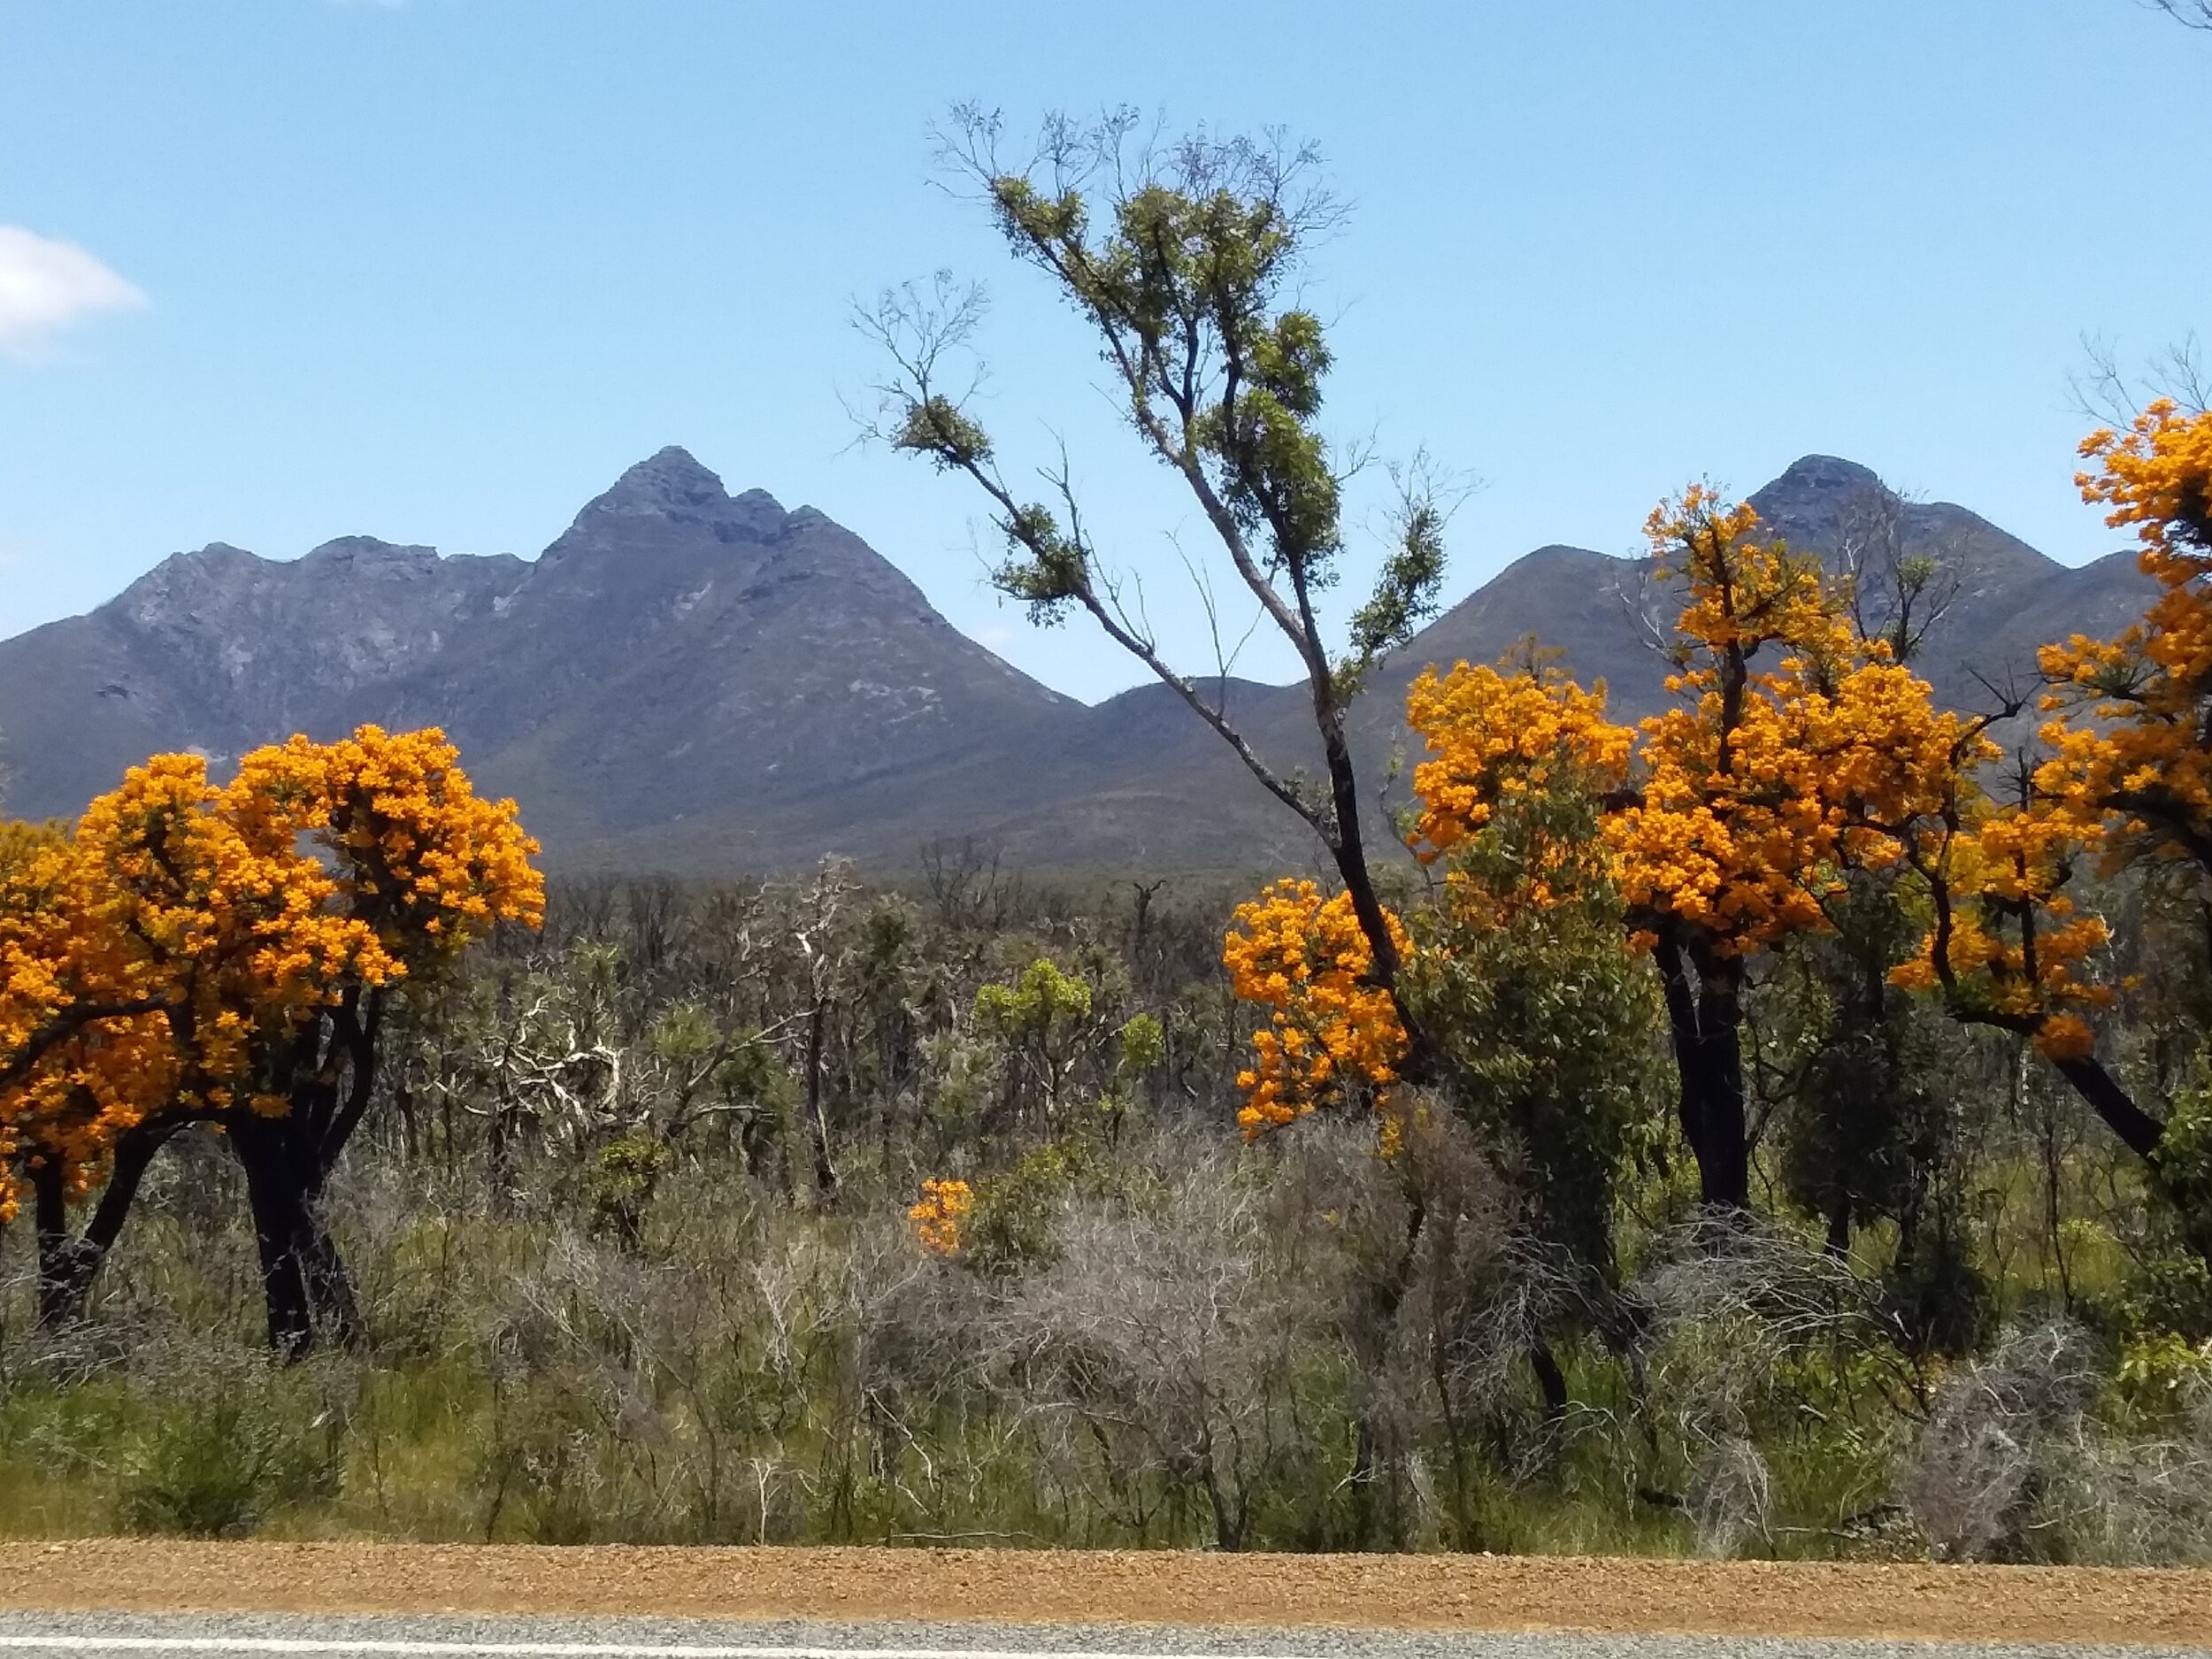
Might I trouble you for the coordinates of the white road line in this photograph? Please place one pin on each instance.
(73, 1643)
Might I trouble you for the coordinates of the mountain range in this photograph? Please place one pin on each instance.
(695, 682)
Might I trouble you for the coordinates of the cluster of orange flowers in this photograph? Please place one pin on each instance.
(2129, 772)
(2019, 950)
(1330, 1028)
(938, 1216)
(1497, 739)
(2129, 743)
(1746, 591)
(1765, 784)
(183, 925)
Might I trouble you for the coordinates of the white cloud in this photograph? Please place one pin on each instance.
(45, 286)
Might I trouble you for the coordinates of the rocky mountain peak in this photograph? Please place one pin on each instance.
(670, 480)
(368, 556)
(188, 580)
(1824, 473)
(1819, 498)
(670, 490)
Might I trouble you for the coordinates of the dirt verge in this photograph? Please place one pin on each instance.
(1416, 1592)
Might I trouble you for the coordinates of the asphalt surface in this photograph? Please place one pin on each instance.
(234, 1636)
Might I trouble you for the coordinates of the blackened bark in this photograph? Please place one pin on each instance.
(278, 1227)
(2136, 1128)
(817, 1110)
(1549, 1377)
(1839, 1243)
(1705, 1020)
(288, 1160)
(50, 1220)
(68, 1263)
(1349, 850)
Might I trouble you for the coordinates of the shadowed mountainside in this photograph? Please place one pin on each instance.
(692, 681)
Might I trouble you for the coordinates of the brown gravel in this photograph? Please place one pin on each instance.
(1417, 1592)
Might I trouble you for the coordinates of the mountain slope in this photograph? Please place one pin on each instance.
(676, 649)
(694, 681)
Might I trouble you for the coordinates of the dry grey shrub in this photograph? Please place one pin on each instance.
(1159, 1335)
(2015, 1464)
(1731, 1496)
(2131, 1500)
(748, 1380)
(1978, 1482)
(1721, 1310)
(572, 1397)
(1439, 1299)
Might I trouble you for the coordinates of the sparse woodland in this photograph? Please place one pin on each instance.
(1783, 1127)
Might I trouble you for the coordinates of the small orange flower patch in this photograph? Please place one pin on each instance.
(944, 1205)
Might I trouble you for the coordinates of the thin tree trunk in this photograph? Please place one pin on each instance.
(1549, 1377)
(816, 1119)
(57, 1256)
(68, 1264)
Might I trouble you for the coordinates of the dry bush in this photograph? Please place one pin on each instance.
(2127, 1501)
(1978, 1486)
(1724, 1314)
(2015, 1464)
(1159, 1331)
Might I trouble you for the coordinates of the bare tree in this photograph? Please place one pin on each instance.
(1898, 593)
(2108, 393)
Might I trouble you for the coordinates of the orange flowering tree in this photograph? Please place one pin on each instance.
(195, 953)
(1797, 752)
(2124, 783)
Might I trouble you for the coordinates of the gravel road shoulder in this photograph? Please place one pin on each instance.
(1442, 1593)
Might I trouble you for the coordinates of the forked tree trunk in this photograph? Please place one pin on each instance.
(289, 1159)
(303, 1278)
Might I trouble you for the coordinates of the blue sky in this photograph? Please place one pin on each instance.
(274, 271)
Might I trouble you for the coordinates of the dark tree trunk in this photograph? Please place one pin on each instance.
(1349, 849)
(57, 1255)
(303, 1278)
(279, 1228)
(1549, 1377)
(68, 1263)
(2142, 1134)
(1839, 1243)
(2136, 1128)
(817, 1110)
(1705, 1019)
(288, 1160)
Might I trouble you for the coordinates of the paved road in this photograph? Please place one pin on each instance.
(230, 1636)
